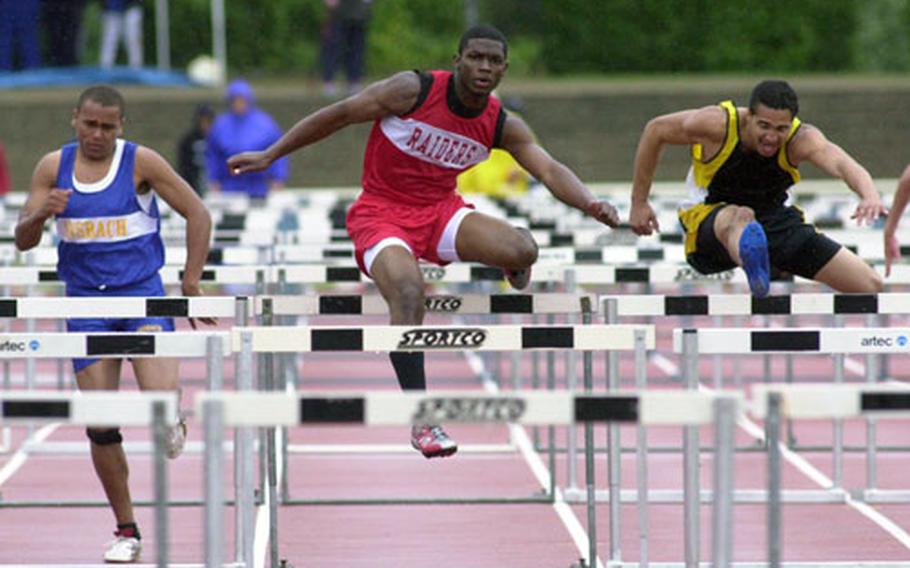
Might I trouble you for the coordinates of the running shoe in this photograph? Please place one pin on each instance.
(518, 279)
(123, 549)
(753, 251)
(432, 441)
(176, 439)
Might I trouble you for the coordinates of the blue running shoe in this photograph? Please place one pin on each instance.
(753, 250)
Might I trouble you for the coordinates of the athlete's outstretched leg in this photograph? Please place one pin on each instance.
(398, 277)
(746, 243)
(848, 273)
(494, 242)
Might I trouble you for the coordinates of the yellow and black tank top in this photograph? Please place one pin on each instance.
(742, 177)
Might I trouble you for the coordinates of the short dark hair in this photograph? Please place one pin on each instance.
(105, 95)
(774, 94)
(483, 31)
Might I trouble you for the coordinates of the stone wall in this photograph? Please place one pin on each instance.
(591, 126)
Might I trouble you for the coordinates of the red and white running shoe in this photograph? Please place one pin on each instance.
(432, 441)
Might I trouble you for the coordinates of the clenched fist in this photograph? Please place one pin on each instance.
(55, 203)
(603, 212)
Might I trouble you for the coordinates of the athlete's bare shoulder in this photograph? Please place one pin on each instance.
(396, 94)
(48, 165)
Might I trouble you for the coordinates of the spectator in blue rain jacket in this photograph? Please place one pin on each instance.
(243, 127)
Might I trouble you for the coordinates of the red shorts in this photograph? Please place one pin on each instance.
(372, 219)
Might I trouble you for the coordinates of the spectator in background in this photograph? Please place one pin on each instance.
(344, 34)
(191, 149)
(62, 20)
(19, 28)
(244, 127)
(121, 18)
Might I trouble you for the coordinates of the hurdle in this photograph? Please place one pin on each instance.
(213, 346)
(154, 409)
(226, 410)
(876, 308)
(429, 338)
(773, 401)
(272, 308)
(736, 341)
(321, 273)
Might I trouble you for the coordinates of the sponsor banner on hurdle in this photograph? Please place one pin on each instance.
(374, 304)
(442, 338)
(796, 340)
(57, 345)
(530, 408)
(833, 401)
(87, 408)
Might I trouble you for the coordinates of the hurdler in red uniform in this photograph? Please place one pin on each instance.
(428, 128)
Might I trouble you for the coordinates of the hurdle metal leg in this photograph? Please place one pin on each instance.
(243, 462)
(691, 480)
(641, 461)
(213, 424)
(838, 426)
(788, 377)
(614, 444)
(772, 435)
(722, 519)
(571, 362)
(871, 422)
(159, 429)
(590, 474)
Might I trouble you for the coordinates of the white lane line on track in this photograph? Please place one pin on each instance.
(17, 460)
(810, 471)
(526, 447)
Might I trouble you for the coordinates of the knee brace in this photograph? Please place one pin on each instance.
(104, 437)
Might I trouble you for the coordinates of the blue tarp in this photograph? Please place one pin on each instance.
(68, 76)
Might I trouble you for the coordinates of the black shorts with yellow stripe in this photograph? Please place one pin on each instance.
(794, 246)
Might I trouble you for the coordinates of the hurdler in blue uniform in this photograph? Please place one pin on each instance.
(102, 190)
(110, 243)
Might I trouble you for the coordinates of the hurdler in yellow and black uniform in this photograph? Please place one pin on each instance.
(737, 176)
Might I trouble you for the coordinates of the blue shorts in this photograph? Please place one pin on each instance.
(149, 288)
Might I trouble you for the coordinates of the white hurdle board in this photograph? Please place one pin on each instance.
(57, 345)
(86, 408)
(746, 304)
(796, 340)
(374, 304)
(529, 408)
(813, 401)
(385, 338)
(584, 274)
(118, 307)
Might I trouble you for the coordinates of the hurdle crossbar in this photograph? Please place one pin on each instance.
(105, 345)
(442, 338)
(118, 307)
(746, 304)
(374, 304)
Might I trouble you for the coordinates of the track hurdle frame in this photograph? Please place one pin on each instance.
(221, 410)
(771, 402)
(737, 341)
(154, 409)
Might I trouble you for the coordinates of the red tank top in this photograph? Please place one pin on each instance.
(414, 158)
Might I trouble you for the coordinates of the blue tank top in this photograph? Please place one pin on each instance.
(109, 236)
